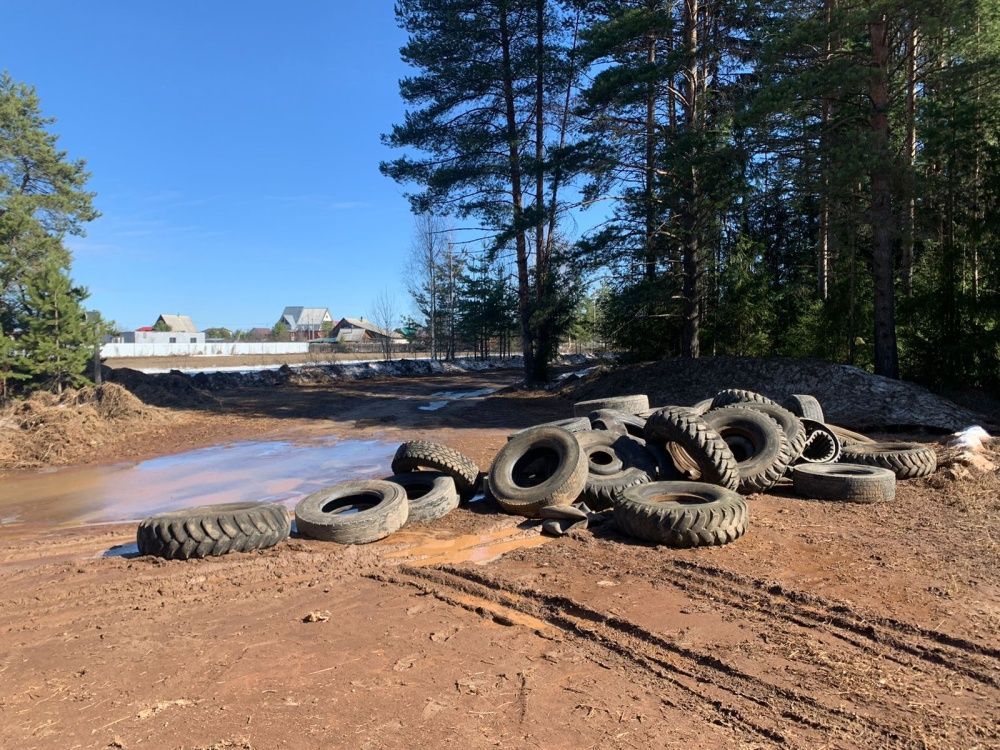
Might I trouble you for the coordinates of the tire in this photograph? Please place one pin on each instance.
(738, 396)
(758, 443)
(429, 494)
(573, 424)
(628, 404)
(666, 469)
(905, 460)
(849, 437)
(618, 422)
(319, 515)
(682, 514)
(702, 406)
(706, 448)
(851, 483)
(540, 467)
(822, 444)
(212, 530)
(614, 463)
(414, 455)
(805, 407)
(795, 431)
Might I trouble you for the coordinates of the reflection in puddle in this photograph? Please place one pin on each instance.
(272, 471)
(122, 550)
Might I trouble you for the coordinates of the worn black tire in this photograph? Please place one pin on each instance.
(430, 494)
(573, 424)
(414, 455)
(795, 431)
(629, 404)
(822, 444)
(758, 443)
(702, 406)
(905, 460)
(706, 448)
(666, 469)
(849, 437)
(614, 462)
(737, 396)
(612, 420)
(212, 530)
(540, 467)
(805, 407)
(317, 516)
(851, 483)
(682, 514)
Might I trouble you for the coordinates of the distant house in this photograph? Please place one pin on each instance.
(306, 323)
(175, 324)
(359, 330)
(259, 334)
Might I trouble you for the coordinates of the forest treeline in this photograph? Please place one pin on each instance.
(767, 177)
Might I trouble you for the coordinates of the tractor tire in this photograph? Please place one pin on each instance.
(737, 396)
(851, 483)
(905, 460)
(705, 447)
(795, 431)
(212, 530)
(540, 467)
(414, 455)
(682, 514)
(758, 443)
(382, 510)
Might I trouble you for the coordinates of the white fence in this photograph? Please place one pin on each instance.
(222, 349)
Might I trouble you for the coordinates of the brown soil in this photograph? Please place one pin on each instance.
(827, 625)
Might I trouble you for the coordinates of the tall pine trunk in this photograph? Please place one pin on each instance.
(689, 218)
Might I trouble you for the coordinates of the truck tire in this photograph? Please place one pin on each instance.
(758, 443)
(212, 530)
(618, 422)
(849, 437)
(682, 514)
(629, 404)
(542, 466)
(382, 510)
(573, 424)
(905, 460)
(738, 396)
(614, 462)
(705, 447)
(805, 407)
(795, 431)
(429, 494)
(414, 455)
(851, 483)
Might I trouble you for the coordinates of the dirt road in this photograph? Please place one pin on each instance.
(827, 625)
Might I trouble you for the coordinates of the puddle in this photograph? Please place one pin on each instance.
(446, 397)
(271, 471)
(422, 549)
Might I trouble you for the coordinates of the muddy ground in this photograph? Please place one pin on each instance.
(827, 625)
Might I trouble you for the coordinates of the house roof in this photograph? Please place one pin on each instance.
(350, 335)
(368, 326)
(306, 317)
(178, 323)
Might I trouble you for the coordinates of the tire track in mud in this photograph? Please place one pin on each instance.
(891, 639)
(707, 685)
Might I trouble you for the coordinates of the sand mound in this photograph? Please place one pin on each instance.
(46, 428)
(850, 396)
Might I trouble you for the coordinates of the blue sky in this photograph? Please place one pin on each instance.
(234, 149)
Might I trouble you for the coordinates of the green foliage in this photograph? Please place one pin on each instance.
(219, 333)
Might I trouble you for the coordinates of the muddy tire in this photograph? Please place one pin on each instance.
(758, 443)
(795, 431)
(614, 463)
(540, 467)
(822, 444)
(212, 530)
(429, 494)
(612, 420)
(414, 455)
(573, 424)
(628, 404)
(383, 509)
(905, 460)
(738, 396)
(706, 448)
(805, 407)
(851, 483)
(682, 514)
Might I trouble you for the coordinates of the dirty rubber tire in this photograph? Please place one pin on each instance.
(430, 494)
(614, 463)
(414, 455)
(758, 443)
(666, 470)
(629, 404)
(849, 437)
(805, 407)
(663, 513)
(852, 483)
(612, 420)
(573, 424)
(905, 460)
(540, 467)
(702, 406)
(795, 431)
(212, 530)
(314, 518)
(706, 448)
(737, 396)
(822, 444)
